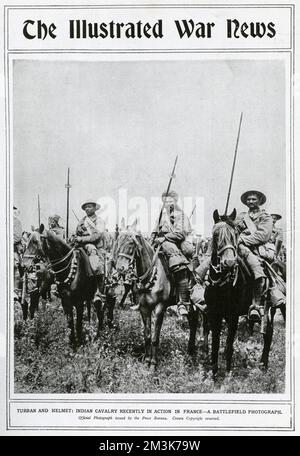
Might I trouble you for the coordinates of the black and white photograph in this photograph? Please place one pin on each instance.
(150, 204)
(149, 220)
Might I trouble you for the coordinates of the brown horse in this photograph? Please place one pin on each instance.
(229, 293)
(75, 285)
(155, 288)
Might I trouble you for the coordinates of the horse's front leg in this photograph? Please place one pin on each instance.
(34, 302)
(146, 316)
(215, 344)
(232, 327)
(158, 320)
(267, 340)
(205, 332)
(79, 319)
(68, 310)
(111, 301)
(193, 317)
(99, 308)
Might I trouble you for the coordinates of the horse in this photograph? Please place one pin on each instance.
(228, 294)
(75, 285)
(155, 288)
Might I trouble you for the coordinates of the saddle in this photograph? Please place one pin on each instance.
(86, 262)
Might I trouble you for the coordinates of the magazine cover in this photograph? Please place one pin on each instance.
(149, 237)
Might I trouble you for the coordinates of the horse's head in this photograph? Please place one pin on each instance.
(34, 247)
(126, 249)
(224, 241)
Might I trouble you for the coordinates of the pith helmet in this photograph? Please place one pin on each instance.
(261, 196)
(90, 201)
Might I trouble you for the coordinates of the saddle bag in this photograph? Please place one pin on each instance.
(277, 298)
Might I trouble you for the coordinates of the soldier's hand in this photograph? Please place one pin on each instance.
(159, 240)
(241, 239)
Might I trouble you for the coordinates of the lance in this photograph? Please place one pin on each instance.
(68, 186)
(164, 200)
(75, 215)
(39, 211)
(233, 165)
(192, 212)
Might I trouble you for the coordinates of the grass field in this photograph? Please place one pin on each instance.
(45, 363)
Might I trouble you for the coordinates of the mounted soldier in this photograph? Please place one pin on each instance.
(18, 250)
(279, 264)
(172, 232)
(55, 227)
(277, 235)
(90, 234)
(255, 228)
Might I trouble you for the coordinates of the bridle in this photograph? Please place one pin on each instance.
(150, 273)
(218, 268)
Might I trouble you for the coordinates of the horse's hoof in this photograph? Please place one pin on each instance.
(228, 374)
(152, 368)
(263, 366)
(147, 361)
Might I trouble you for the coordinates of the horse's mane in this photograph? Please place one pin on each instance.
(223, 233)
(138, 239)
(58, 246)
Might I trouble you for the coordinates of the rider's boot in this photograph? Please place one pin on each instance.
(256, 309)
(182, 286)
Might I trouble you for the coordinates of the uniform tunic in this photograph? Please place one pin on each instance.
(174, 228)
(92, 231)
(256, 233)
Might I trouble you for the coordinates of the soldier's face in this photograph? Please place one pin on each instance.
(252, 201)
(90, 209)
(274, 219)
(169, 201)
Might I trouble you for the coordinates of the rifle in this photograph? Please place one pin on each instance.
(75, 215)
(164, 201)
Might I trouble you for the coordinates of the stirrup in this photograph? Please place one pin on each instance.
(97, 297)
(254, 314)
(181, 309)
(135, 307)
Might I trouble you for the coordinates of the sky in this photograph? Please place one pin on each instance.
(121, 124)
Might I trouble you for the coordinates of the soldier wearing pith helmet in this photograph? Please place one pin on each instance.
(255, 227)
(90, 234)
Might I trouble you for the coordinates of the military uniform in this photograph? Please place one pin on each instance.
(55, 227)
(277, 235)
(256, 231)
(92, 233)
(18, 250)
(255, 227)
(173, 230)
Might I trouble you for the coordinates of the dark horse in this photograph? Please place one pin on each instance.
(75, 285)
(229, 293)
(154, 287)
